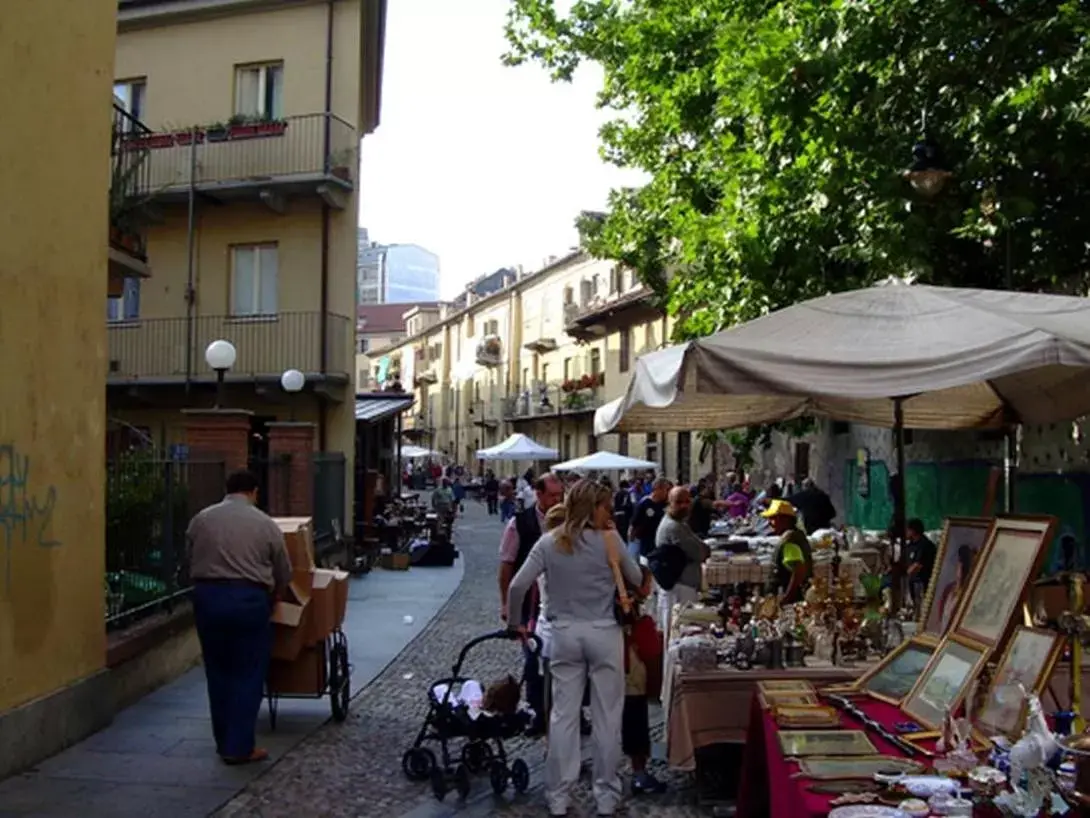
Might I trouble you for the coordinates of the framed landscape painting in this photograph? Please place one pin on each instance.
(1011, 559)
(1025, 668)
(946, 680)
(963, 538)
(894, 677)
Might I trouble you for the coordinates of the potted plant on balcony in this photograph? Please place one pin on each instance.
(216, 132)
(186, 136)
(271, 127)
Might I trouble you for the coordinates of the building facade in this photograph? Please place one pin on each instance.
(377, 327)
(55, 266)
(396, 273)
(538, 356)
(254, 111)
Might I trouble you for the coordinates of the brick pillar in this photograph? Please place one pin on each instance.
(219, 434)
(291, 469)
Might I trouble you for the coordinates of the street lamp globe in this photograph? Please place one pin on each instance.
(292, 380)
(220, 355)
(926, 174)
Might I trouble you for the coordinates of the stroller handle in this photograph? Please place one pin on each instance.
(503, 633)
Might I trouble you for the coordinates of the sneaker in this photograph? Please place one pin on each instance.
(646, 784)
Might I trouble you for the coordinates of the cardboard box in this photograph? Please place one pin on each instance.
(306, 673)
(299, 539)
(291, 617)
(395, 562)
(324, 601)
(340, 596)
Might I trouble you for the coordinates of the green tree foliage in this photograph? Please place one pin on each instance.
(774, 135)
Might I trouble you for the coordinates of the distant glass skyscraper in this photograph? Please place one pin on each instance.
(395, 273)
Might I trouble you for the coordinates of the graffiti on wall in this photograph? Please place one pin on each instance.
(26, 516)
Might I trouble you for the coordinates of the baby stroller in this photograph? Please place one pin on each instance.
(483, 751)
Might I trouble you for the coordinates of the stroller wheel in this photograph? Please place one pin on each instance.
(462, 781)
(520, 775)
(439, 783)
(418, 763)
(476, 755)
(497, 774)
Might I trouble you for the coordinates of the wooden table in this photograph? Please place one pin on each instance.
(713, 707)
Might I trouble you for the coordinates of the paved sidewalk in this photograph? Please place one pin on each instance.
(157, 759)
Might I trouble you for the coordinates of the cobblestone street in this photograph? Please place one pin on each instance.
(354, 769)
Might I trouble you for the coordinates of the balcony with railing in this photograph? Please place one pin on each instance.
(296, 155)
(572, 397)
(600, 315)
(170, 350)
(130, 172)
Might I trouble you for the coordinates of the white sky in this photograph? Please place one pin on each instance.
(485, 165)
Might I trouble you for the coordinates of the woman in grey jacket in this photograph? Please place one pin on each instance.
(587, 643)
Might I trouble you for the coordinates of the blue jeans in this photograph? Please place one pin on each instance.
(236, 638)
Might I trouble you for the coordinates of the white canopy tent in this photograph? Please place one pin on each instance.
(931, 357)
(517, 447)
(605, 461)
(410, 452)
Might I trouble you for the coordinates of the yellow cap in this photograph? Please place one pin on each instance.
(779, 508)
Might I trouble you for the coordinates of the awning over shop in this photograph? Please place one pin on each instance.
(949, 358)
(372, 410)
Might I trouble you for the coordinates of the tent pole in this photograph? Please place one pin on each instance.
(900, 515)
(1009, 467)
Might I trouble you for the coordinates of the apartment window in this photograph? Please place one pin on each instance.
(622, 443)
(254, 275)
(651, 449)
(624, 354)
(131, 95)
(615, 280)
(595, 361)
(569, 295)
(259, 91)
(567, 369)
(125, 307)
(802, 461)
(492, 327)
(566, 450)
(592, 443)
(363, 344)
(545, 373)
(525, 377)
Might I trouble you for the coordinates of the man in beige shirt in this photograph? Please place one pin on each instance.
(239, 564)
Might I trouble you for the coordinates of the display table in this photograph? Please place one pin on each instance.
(769, 786)
(720, 571)
(713, 707)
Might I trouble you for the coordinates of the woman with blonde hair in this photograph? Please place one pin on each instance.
(587, 643)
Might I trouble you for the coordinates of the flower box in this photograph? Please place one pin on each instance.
(271, 128)
(217, 133)
(186, 137)
(243, 131)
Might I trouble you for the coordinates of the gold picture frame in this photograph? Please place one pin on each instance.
(1029, 659)
(946, 680)
(799, 743)
(893, 678)
(944, 590)
(825, 768)
(769, 701)
(806, 717)
(776, 686)
(1010, 560)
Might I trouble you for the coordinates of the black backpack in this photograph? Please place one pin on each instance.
(667, 562)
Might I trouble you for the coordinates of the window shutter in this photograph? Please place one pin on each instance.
(131, 301)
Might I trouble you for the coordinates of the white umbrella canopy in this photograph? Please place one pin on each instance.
(957, 358)
(412, 452)
(517, 447)
(605, 461)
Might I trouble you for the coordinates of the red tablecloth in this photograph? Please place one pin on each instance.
(768, 787)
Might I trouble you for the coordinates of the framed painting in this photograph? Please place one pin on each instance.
(963, 539)
(775, 686)
(1009, 562)
(894, 677)
(946, 680)
(795, 743)
(771, 700)
(1026, 665)
(828, 769)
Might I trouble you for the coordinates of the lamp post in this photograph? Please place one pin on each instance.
(220, 356)
(292, 382)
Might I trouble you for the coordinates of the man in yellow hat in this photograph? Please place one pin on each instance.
(793, 564)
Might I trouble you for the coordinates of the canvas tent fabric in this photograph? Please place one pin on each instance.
(517, 447)
(605, 461)
(958, 358)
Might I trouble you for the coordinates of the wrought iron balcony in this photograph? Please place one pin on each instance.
(168, 350)
(130, 172)
(602, 315)
(548, 400)
(243, 158)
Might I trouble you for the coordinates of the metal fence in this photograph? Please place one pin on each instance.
(149, 503)
(330, 475)
(155, 348)
(315, 489)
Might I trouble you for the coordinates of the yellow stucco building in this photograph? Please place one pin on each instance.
(53, 276)
(253, 113)
(537, 356)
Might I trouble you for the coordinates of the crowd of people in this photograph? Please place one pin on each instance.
(569, 545)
